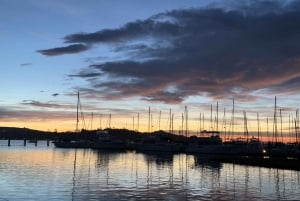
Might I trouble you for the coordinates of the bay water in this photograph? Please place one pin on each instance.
(41, 172)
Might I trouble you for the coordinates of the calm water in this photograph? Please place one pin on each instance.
(49, 173)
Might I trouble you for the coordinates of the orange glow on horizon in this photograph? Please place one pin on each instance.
(145, 122)
(120, 123)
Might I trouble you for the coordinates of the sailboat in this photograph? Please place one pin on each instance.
(244, 145)
(82, 140)
(107, 141)
(209, 143)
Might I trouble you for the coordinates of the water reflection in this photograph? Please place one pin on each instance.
(74, 174)
(181, 177)
(83, 174)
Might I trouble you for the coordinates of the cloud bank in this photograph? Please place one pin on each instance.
(223, 51)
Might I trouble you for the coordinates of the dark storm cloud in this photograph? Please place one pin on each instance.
(131, 30)
(224, 51)
(71, 49)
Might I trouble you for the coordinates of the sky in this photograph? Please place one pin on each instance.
(125, 57)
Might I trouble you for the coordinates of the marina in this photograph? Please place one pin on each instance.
(150, 100)
(253, 152)
(208, 143)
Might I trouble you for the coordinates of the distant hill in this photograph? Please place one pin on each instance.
(21, 133)
(14, 133)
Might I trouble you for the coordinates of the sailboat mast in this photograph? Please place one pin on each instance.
(211, 126)
(151, 124)
(149, 113)
(133, 123)
(224, 123)
(92, 118)
(275, 122)
(281, 124)
(232, 119)
(297, 126)
(100, 121)
(217, 116)
(268, 129)
(200, 124)
(182, 119)
(203, 121)
(159, 120)
(170, 117)
(245, 126)
(172, 123)
(138, 121)
(186, 121)
(109, 120)
(77, 120)
(258, 126)
(290, 127)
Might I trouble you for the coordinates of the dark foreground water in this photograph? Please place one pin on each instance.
(49, 173)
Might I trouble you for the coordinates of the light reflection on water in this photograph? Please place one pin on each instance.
(48, 173)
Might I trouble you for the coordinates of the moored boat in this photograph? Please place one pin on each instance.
(204, 145)
(107, 142)
(157, 143)
(72, 143)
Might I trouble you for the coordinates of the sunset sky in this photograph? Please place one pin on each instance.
(128, 55)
